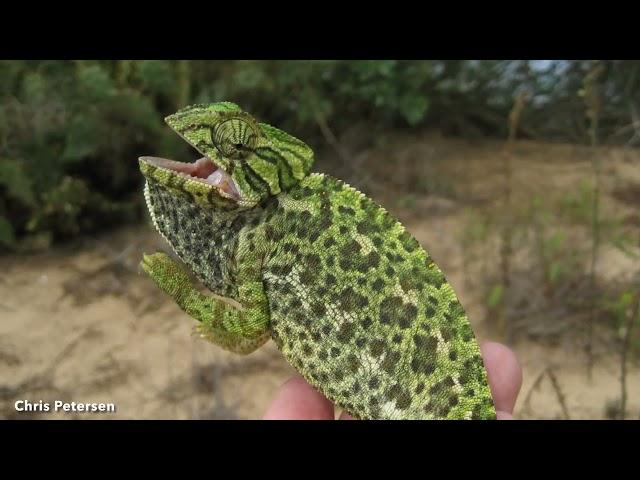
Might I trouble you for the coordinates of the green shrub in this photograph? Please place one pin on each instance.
(71, 131)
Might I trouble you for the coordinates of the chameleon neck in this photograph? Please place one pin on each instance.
(205, 239)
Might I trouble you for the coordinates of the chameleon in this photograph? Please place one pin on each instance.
(349, 297)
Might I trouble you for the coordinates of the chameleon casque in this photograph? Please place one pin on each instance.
(349, 297)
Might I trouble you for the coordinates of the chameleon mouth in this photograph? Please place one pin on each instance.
(202, 170)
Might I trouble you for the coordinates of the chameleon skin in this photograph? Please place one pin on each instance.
(349, 297)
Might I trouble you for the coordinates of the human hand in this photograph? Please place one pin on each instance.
(297, 400)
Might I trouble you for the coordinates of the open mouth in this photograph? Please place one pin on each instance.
(202, 170)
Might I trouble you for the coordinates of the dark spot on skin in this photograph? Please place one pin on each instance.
(308, 276)
(422, 365)
(396, 338)
(447, 333)
(338, 375)
(329, 242)
(271, 234)
(291, 248)
(390, 361)
(376, 347)
(440, 388)
(350, 300)
(365, 227)
(360, 342)
(476, 413)
(307, 350)
(352, 363)
(430, 312)
(319, 309)
(346, 263)
(334, 351)
(408, 242)
(403, 401)
(366, 323)
(408, 283)
(467, 333)
(302, 232)
(282, 270)
(453, 355)
(346, 210)
(350, 248)
(377, 285)
(325, 223)
(407, 316)
(345, 332)
(304, 216)
(389, 309)
(373, 259)
(427, 343)
(392, 392)
(314, 261)
(434, 277)
(419, 388)
(323, 355)
(390, 271)
(374, 383)
(343, 230)
(326, 329)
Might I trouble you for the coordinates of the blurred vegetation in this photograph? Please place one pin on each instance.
(71, 131)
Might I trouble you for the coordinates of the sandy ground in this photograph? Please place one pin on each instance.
(81, 323)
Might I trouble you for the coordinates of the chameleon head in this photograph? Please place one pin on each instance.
(243, 162)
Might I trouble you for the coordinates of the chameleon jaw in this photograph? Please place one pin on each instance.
(202, 170)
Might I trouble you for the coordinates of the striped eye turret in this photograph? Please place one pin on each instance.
(234, 138)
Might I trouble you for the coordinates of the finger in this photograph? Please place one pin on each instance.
(504, 415)
(297, 400)
(505, 376)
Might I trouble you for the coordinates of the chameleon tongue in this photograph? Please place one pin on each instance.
(202, 168)
(205, 169)
(222, 180)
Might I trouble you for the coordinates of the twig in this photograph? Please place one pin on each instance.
(593, 107)
(533, 387)
(633, 315)
(559, 394)
(548, 371)
(506, 250)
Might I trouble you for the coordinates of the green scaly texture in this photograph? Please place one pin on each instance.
(350, 298)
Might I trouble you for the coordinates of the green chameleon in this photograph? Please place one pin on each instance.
(347, 294)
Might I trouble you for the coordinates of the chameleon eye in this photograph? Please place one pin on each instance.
(234, 138)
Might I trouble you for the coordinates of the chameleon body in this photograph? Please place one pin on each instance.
(349, 297)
